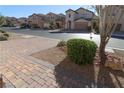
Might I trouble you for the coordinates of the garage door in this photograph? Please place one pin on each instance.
(81, 25)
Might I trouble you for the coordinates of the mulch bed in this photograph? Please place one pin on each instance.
(58, 57)
(53, 55)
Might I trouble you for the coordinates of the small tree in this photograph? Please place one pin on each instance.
(52, 25)
(109, 17)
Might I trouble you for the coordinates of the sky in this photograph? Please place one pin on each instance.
(26, 10)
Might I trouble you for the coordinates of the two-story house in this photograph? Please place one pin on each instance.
(44, 21)
(22, 20)
(12, 21)
(79, 19)
(37, 20)
(51, 16)
(120, 25)
(56, 19)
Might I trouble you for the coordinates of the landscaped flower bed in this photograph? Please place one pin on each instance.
(58, 57)
(113, 67)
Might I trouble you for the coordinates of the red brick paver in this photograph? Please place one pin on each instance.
(18, 70)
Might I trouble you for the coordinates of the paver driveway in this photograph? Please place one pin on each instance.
(21, 70)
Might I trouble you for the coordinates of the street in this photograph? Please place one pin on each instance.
(113, 43)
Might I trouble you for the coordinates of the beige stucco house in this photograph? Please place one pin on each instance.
(37, 20)
(12, 21)
(120, 26)
(79, 19)
(57, 19)
(22, 20)
(51, 16)
(44, 21)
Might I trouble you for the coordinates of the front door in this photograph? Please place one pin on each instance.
(69, 24)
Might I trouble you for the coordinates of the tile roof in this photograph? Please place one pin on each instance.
(79, 9)
(88, 19)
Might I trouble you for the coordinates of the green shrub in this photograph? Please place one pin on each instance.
(81, 51)
(6, 34)
(61, 43)
(3, 38)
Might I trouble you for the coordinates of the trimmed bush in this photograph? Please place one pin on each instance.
(81, 51)
(3, 38)
(6, 34)
(61, 43)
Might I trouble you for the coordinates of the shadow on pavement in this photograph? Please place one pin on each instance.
(70, 75)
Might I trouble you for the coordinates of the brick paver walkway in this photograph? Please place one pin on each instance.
(21, 70)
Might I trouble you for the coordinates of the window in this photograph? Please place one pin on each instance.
(118, 27)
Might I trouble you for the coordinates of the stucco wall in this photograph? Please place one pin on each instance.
(75, 15)
(122, 23)
(84, 13)
(71, 18)
(116, 11)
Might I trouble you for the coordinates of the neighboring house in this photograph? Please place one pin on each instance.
(44, 21)
(36, 20)
(51, 17)
(56, 19)
(22, 20)
(61, 20)
(120, 25)
(79, 19)
(11, 21)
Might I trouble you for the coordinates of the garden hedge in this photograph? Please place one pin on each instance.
(81, 51)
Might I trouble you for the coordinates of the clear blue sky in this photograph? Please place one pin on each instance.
(26, 10)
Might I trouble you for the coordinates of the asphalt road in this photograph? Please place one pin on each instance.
(113, 43)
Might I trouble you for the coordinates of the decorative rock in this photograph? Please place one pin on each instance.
(114, 65)
(114, 62)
